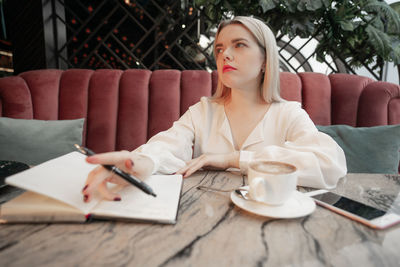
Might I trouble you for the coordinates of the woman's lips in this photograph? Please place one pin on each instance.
(227, 68)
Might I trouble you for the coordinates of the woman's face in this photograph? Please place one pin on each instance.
(239, 58)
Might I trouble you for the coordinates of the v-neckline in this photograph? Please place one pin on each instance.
(253, 137)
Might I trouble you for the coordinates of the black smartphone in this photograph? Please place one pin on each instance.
(8, 168)
(355, 210)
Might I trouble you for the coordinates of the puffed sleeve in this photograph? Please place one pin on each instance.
(170, 149)
(319, 159)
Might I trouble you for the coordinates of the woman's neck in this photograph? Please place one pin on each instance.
(244, 100)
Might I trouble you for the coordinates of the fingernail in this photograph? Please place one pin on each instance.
(85, 198)
(90, 159)
(84, 188)
(129, 164)
(117, 199)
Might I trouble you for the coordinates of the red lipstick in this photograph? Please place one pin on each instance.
(227, 68)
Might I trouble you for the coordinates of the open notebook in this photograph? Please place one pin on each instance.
(54, 195)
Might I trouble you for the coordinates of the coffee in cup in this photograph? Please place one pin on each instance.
(271, 182)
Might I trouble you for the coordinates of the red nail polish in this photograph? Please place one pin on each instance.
(117, 199)
(90, 159)
(85, 198)
(86, 186)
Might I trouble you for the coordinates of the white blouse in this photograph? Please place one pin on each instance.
(286, 133)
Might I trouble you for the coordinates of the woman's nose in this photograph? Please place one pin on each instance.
(228, 55)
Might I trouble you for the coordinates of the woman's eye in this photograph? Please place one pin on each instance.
(240, 45)
(218, 51)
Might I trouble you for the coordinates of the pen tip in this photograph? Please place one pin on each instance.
(154, 195)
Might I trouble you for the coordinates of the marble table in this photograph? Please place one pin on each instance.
(212, 231)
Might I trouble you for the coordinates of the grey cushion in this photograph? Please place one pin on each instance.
(368, 149)
(35, 141)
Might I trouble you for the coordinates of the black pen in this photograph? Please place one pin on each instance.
(126, 176)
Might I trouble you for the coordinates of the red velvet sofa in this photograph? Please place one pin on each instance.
(123, 109)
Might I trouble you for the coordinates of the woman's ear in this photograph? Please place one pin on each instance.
(263, 67)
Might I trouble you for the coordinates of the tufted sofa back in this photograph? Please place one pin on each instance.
(123, 109)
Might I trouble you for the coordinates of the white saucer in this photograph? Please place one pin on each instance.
(298, 205)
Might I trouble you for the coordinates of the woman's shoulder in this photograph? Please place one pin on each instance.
(287, 106)
(205, 110)
(288, 110)
(205, 104)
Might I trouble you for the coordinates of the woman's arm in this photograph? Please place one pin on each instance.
(171, 149)
(212, 161)
(320, 160)
(165, 152)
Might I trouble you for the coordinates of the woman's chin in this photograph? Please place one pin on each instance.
(228, 81)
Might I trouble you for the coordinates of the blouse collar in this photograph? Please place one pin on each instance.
(255, 136)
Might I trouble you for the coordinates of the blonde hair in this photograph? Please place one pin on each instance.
(270, 87)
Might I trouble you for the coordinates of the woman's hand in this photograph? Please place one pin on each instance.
(133, 163)
(215, 161)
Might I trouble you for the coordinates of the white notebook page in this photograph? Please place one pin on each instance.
(136, 204)
(63, 179)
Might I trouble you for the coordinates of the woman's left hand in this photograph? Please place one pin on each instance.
(217, 161)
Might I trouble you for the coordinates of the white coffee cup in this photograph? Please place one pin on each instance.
(271, 182)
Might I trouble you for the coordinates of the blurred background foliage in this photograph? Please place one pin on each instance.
(365, 32)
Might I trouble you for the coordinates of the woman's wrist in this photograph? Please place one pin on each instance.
(143, 165)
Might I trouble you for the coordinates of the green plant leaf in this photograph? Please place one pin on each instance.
(327, 3)
(301, 27)
(387, 11)
(267, 5)
(290, 5)
(211, 12)
(346, 25)
(379, 40)
(310, 5)
(395, 53)
(201, 2)
(378, 23)
(396, 7)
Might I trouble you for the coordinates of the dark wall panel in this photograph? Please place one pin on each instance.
(24, 23)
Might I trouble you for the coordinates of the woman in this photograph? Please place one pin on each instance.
(246, 119)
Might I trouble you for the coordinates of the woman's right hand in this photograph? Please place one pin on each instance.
(130, 162)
